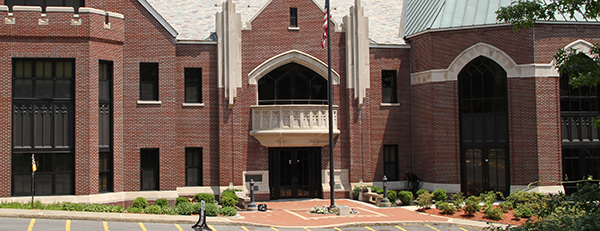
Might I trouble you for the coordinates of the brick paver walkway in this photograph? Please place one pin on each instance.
(295, 214)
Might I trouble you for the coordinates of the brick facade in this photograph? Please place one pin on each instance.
(424, 123)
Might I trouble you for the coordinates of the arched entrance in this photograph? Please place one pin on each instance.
(483, 127)
(288, 92)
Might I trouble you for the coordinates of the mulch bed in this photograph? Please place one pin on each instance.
(508, 217)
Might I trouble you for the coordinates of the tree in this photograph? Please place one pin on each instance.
(582, 70)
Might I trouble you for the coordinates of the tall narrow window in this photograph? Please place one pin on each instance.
(148, 81)
(390, 162)
(105, 125)
(388, 86)
(43, 122)
(193, 166)
(293, 17)
(193, 85)
(149, 163)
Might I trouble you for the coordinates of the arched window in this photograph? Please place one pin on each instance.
(483, 127)
(292, 84)
(580, 139)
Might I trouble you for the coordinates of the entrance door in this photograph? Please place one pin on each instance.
(485, 169)
(295, 172)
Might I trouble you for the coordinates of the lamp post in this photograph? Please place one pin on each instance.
(252, 205)
(385, 201)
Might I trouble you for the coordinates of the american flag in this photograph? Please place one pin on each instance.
(325, 25)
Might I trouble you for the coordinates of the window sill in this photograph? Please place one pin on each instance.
(149, 102)
(192, 104)
(294, 28)
(389, 104)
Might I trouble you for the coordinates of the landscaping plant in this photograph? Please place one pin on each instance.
(211, 209)
(472, 205)
(505, 206)
(140, 202)
(522, 211)
(206, 197)
(228, 211)
(229, 201)
(445, 207)
(184, 208)
(180, 200)
(458, 199)
(440, 195)
(405, 196)
(392, 196)
(421, 191)
(161, 202)
(425, 200)
(494, 213)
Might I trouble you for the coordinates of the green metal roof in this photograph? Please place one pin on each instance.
(423, 15)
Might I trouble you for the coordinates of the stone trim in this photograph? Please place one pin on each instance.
(192, 104)
(149, 102)
(287, 57)
(481, 49)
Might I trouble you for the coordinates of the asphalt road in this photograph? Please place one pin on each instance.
(26, 224)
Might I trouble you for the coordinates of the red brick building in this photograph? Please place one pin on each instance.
(124, 98)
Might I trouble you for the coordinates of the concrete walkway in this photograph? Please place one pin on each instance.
(283, 214)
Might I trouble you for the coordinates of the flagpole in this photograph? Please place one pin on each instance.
(33, 168)
(330, 108)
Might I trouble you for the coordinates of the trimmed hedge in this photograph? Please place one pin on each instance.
(228, 211)
(440, 195)
(180, 200)
(161, 202)
(211, 209)
(206, 197)
(140, 202)
(405, 196)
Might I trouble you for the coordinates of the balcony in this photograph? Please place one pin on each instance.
(292, 125)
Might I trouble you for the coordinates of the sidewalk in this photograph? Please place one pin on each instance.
(283, 214)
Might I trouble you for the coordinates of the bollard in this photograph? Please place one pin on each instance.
(385, 201)
(252, 205)
(201, 224)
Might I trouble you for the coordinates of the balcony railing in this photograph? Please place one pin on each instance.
(292, 125)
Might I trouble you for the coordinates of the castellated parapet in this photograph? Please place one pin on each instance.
(29, 22)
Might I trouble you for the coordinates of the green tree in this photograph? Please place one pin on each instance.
(582, 70)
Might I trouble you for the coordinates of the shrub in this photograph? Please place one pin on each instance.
(494, 213)
(505, 206)
(180, 200)
(489, 198)
(421, 191)
(184, 208)
(206, 197)
(357, 189)
(228, 211)
(472, 205)
(425, 200)
(355, 192)
(405, 196)
(522, 211)
(445, 207)
(458, 199)
(393, 196)
(196, 208)
(140, 202)
(229, 193)
(153, 209)
(229, 201)
(162, 202)
(170, 210)
(211, 209)
(440, 195)
(133, 210)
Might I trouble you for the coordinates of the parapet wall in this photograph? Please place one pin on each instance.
(29, 22)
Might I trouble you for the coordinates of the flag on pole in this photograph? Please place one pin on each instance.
(33, 166)
(325, 25)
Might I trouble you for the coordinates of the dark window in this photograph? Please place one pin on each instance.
(44, 3)
(293, 17)
(482, 89)
(193, 85)
(149, 164)
(580, 139)
(105, 171)
(148, 81)
(388, 86)
(390, 162)
(105, 126)
(292, 84)
(43, 122)
(193, 166)
(54, 175)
